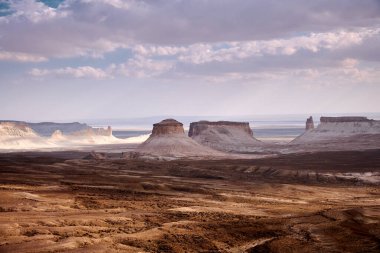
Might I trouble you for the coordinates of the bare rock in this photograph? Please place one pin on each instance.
(168, 139)
(341, 133)
(196, 128)
(344, 119)
(236, 137)
(168, 127)
(94, 132)
(16, 129)
(309, 123)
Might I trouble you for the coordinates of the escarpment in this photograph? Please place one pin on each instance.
(236, 137)
(336, 132)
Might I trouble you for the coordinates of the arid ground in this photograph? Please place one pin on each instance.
(315, 202)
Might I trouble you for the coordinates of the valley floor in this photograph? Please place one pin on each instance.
(314, 202)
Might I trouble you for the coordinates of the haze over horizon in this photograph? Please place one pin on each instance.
(109, 59)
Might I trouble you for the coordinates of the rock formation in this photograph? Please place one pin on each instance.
(57, 135)
(19, 135)
(15, 129)
(16, 135)
(309, 123)
(332, 129)
(168, 127)
(94, 132)
(168, 139)
(196, 128)
(225, 136)
(344, 119)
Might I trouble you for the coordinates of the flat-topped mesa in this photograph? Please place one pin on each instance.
(196, 128)
(344, 119)
(335, 131)
(227, 136)
(168, 127)
(309, 123)
(168, 139)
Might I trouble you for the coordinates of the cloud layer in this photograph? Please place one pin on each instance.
(291, 43)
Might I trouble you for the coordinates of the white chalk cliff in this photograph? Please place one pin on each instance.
(20, 136)
(333, 128)
(15, 135)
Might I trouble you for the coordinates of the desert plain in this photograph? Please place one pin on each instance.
(306, 202)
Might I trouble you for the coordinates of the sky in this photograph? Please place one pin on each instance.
(97, 59)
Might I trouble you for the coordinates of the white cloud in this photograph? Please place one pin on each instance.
(201, 53)
(20, 57)
(164, 40)
(141, 67)
(115, 3)
(34, 11)
(95, 27)
(68, 72)
(349, 63)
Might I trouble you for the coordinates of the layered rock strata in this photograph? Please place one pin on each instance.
(168, 127)
(338, 129)
(225, 136)
(168, 139)
(344, 119)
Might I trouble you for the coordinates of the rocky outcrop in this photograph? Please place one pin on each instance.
(344, 119)
(168, 140)
(236, 137)
(309, 123)
(57, 135)
(168, 127)
(336, 130)
(196, 128)
(94, 132)
(15, 135)
(15, 129)
(20, 136)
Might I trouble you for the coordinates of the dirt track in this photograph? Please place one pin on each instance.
(51, 204)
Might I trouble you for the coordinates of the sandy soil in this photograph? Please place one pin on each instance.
(58, 202)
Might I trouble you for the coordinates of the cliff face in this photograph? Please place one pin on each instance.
(225, 136)
(167, 127)
(344, 119)
(94, 132)
(168, 139)
(16, 135)
(196, 128)
(333, 128)
(14, 129)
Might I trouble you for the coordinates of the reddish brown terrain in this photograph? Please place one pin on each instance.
(75, 202)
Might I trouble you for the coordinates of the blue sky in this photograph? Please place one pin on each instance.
(81, 59)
